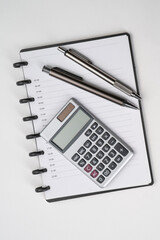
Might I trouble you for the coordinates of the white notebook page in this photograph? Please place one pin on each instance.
(112, 55)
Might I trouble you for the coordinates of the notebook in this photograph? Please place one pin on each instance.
(47, 95)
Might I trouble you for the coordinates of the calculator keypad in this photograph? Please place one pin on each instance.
(94, 125)
(82, 163)
(94, 161)
(88, 132)
(88, 156)
(93, 137)
(100, 142)
(87, 144)
(88, 168)
(112, 165)
(94, 149)
(106, 148)
(100, 179)
(94, 174)
(112, 141)
(112, 153)
(75, 157)
(100, 154)
(99, 130)
(81, 151)
(106, 160)
(122, 150)
(100, 167)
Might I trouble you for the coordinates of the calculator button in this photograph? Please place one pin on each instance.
(99, 130)
(81, 150)
(94, 174)
(106, 160)
(105, 135)
(112, 153)
(100, 179)
(81, 163)
(93, 137)
(112, 165)
(88, 132)
(94, 125)
(99, 142)
(87, 144)
(106, 148)
(122, 150)
(106, 172)
(88, 168)
(100, 166)
(88, 156)
(100, 154)
(118, 159)
(94, 149)
(94, 161)
(75, 157)
(112, 141)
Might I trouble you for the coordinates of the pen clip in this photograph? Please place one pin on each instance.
(68, 74)
(79, 55)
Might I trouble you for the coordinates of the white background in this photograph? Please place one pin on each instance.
(131, 214)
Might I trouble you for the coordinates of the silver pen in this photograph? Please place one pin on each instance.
(78, 82)
(86, 63)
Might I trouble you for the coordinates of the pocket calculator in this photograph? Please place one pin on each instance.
(87, 143)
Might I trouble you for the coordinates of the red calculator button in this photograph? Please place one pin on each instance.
(88, 168)
(94, 174)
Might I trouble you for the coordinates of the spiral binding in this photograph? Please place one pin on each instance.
(42, 189)
(32, 136)
(27, 100)
(31, 118)
(38, 171)
(38, 153)
(20, 64)
(23, 82)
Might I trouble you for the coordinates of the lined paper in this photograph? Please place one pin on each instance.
(112, 55)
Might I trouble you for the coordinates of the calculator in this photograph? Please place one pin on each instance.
(87, 143)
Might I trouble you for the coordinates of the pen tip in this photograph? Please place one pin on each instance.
(134, 94)
(130, 105)
(46, 69)
(61, 49)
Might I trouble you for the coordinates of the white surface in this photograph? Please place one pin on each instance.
(131, 214)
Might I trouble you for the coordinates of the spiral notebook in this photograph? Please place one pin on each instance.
(46, 96)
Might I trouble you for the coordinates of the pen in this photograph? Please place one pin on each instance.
(86, 63)
(77, 81)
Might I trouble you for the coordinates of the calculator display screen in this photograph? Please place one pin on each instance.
(69, 131)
